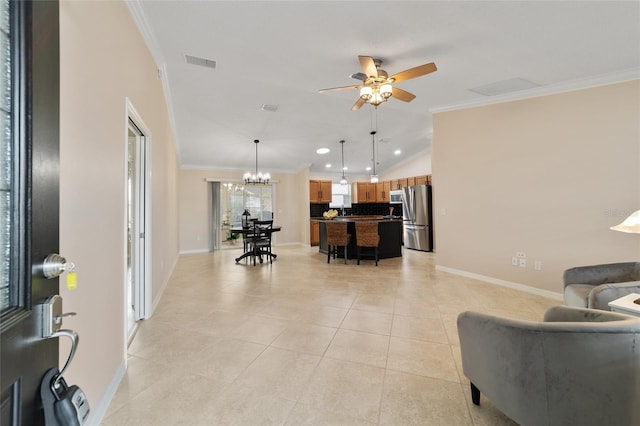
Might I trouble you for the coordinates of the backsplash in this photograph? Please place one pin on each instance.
(316, 210)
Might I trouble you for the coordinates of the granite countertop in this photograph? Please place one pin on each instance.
(356, 218)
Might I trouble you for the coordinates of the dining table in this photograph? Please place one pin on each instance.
(249, 231)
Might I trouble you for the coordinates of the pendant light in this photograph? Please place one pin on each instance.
(256, 178)
(343, 181)
(374, 176)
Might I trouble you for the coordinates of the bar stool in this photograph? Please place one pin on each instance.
(367, 236)
(337, 236)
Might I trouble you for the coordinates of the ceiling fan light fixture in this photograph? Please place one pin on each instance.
(365, 93)
(386, 90)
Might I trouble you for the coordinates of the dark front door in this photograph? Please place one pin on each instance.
(29, 159)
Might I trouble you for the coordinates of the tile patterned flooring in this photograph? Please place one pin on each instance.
(303, 342)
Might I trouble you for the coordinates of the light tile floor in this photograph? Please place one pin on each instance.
(303, 342)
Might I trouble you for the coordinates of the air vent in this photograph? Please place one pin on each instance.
(269, 107)
(505, 86)
(194, 60)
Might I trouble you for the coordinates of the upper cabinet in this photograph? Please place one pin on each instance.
(320, 191)
(363, 192)
(423, 180)
(382, 191)
(410, 181)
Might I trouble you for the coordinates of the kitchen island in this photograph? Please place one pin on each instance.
(389, 229)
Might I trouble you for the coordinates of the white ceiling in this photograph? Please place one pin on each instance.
(282, 53)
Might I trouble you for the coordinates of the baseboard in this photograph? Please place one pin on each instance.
(503, 283)
(154, 303)
(194, 251)
(99, 408)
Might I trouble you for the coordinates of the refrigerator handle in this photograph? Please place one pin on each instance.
(413, 198)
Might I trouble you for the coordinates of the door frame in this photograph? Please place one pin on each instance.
(131, 114)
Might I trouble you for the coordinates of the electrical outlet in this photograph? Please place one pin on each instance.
(523, 263)
(514, 261)
(521, 254)
(537, 265)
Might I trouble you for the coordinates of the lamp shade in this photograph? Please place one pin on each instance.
(630, 224)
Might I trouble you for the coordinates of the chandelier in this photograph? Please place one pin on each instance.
(256, 178)
(343, 181)
(377, 93)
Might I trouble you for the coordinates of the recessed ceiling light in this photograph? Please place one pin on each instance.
(397, 152)
(345, 168)
(269, 107)
(328, 165)
(322, 151)
(368, 168)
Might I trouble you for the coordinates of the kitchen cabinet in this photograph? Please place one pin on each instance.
(363, 192)
(320, 191)
(314, 233)
(422, 180)
(411, 181)
(382, 191)
(403, 183)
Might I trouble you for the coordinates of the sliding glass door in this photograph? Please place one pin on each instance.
(234, 199)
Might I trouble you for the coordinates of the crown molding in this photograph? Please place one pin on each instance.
(139, 17)
(550, 89)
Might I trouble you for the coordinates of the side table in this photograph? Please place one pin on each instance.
(626, 305)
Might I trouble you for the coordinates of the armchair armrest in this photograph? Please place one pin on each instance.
(500, 355)
(571, 314)
(601, 295)
(602, 274)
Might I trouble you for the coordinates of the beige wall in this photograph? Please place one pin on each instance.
(103, 61)
(417, 165)
(546, 176)
(289, 210)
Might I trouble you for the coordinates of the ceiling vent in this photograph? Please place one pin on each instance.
(194, 60)
(505, 86)
(269, 107)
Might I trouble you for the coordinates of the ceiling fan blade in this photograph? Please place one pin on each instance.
(357, 86)
(368, 66)
(402, 95)
(357, 105)
(414, 72)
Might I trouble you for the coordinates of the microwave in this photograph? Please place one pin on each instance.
(395, 197)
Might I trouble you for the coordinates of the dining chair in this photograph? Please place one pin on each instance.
(367, 236)
(260, 243)
(337, 236)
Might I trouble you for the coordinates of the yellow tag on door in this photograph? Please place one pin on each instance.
(72, 280)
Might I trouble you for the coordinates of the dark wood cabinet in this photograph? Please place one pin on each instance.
(390, 232)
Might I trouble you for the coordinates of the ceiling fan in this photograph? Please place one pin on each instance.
(376, 85)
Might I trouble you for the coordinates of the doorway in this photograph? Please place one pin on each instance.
(137, 255)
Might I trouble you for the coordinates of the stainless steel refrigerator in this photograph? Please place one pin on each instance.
(416, 212)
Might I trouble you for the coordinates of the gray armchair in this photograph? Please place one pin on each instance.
(578, 367)
(597, 285)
